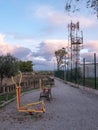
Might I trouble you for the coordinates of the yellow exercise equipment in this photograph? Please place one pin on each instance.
(37, 107)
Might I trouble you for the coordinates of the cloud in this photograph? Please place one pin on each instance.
(85, 22)
(22, 37)
(54, 22)
(4, 48)
(47, 13)
(43, 58)
(57, 18)
(91, 45)
(90, 48)
(21, 52)
(2, 36)
(48, 47)
(18, 39)
(17, 51)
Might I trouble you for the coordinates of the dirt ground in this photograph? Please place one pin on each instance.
(69, 109)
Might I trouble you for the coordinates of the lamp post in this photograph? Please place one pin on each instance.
(64, 63)
(54, 67)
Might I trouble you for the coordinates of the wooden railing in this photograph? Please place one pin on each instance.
(29, 82)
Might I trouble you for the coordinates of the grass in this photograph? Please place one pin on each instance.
(8, 96)
(89, 82)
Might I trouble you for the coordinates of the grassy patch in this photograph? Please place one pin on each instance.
(8, 96)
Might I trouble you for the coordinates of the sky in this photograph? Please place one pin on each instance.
(35, 29)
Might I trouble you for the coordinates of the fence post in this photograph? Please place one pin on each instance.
(95, 68)
(65, 71)
(76, 72)
(71, 72)
(83, 71)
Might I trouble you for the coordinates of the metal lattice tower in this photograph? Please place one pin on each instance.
(75, 42)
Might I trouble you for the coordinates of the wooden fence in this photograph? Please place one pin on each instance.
(29, 82)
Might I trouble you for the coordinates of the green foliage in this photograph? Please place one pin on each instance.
(8, 66)
(59, 74)
(73, 75)
(60, 54)
(25, 66)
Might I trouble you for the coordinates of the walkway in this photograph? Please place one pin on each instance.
(70, 109)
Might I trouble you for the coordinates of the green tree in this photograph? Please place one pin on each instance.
(2, 69)
(8, 66)
(60, 54)
(25, 66)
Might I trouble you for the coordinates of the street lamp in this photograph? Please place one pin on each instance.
(64, 63)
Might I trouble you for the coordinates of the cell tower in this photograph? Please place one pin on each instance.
(75, 42)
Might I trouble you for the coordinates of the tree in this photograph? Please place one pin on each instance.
(8, 66)
(72, 5)
(2, 72)
(59, 57)
(25, 66)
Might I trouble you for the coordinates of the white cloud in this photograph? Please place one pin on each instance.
(47, 12)
(45, 54)
(54, 44)
(27, 41)
(4, 48)
(91, 45)
(56, 18)
(85, 22)
(90, 48)
(17, 51)
(2, 36)
(48, 47)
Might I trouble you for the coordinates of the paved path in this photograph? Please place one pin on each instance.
(70, 109)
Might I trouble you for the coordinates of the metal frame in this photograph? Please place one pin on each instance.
(28, 107)
(45, 92)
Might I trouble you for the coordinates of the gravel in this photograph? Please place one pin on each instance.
(69, 109)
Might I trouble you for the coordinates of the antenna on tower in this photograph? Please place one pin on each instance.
(75, 41)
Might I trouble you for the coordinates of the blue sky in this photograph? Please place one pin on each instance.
(35, 29)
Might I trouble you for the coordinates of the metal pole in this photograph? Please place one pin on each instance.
(71, 72)
(54, 68)
(65, 66)
(65, 69)
(76, 73)
(95, 68)
(83, 71)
